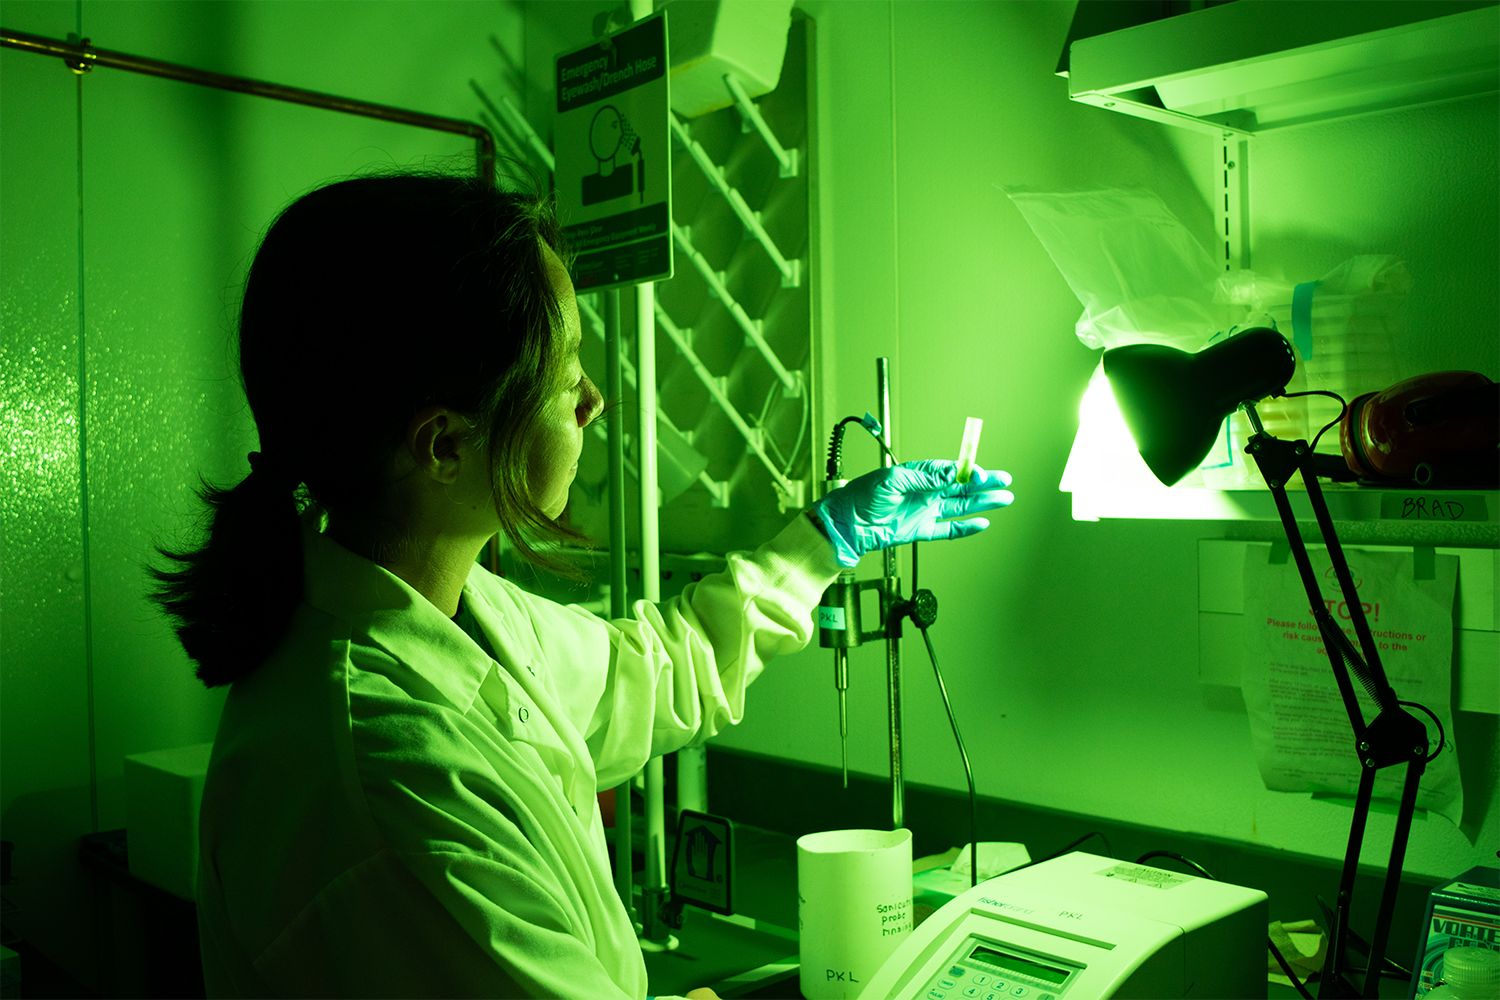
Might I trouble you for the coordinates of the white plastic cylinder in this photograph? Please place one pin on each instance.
(854, 907)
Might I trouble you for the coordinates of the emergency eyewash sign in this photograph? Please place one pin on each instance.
(614, 170)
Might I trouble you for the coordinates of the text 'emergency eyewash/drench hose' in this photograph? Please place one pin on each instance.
(968, 451)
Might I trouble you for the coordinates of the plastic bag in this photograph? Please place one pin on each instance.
(1342, 327)
(1142, 279)
(1141, 276)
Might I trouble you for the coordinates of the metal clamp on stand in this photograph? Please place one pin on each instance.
(840, 624)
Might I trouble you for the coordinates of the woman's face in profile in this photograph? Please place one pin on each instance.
(553, 456)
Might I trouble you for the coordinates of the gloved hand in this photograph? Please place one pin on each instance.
(902, 504)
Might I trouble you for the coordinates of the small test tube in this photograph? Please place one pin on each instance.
(969, 449)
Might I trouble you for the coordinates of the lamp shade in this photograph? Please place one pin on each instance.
(1173, 402)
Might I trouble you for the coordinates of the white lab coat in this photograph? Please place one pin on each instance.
(389, 812)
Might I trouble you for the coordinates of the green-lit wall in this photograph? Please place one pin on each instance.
(177, 183)
(1070, 648)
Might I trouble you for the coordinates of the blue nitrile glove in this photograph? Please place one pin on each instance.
(903, 504)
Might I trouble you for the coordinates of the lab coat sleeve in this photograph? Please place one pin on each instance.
(678, 670)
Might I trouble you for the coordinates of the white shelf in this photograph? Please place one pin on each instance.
(1109, 479)
(1258, 65)
(1345, 503)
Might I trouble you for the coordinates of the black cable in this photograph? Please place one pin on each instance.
(1343, 409)
(1391, 967)
(1108, 850)
(1442, 736)
(962, 752)
(885, 449)
(836, 446)
(1287, 969)
(1177, 857)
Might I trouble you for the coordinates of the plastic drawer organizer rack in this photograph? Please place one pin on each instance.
(733, 326)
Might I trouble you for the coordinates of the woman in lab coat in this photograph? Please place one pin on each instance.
(402, 795)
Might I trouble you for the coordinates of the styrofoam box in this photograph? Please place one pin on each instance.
(163, 790)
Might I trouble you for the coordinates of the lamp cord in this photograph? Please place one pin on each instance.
(1286, 969)
(1442, 736)
(1343, 409)
(1109, 851)
(963, 755)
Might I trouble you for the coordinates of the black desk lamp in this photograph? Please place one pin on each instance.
(1174, 404)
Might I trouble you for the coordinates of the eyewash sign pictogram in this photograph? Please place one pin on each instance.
(613, 171)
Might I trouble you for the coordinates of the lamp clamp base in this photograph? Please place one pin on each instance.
(1394, 737)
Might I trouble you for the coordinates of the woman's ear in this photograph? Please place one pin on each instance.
(433, 439)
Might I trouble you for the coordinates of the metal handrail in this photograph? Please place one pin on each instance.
(81, 57)
(506, 111)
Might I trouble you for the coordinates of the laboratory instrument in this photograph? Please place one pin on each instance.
(968, 449)
(1462, 911)
(1083, 926)
(1173, 403)
(881, 510)
(838, 611)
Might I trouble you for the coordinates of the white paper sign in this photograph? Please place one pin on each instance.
(1303, 738)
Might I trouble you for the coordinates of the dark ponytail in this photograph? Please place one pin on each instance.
(233, 598)
(347, 294)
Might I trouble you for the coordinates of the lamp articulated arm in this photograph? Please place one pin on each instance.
(1174, 402)
(1393, 737)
